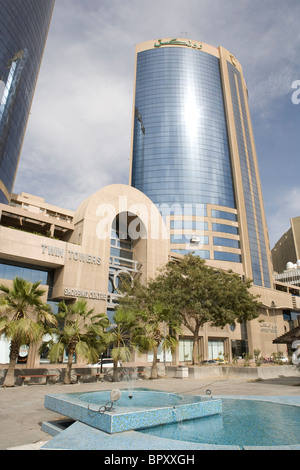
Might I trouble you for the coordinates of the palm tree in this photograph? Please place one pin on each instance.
(156, 329)
(155, 324)
(119, 336)
(82, 335)
(23, 318)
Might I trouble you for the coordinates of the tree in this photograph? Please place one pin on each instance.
(23, 318)
(155, 325)
(119, 337)
(201, 294)
(82, 335)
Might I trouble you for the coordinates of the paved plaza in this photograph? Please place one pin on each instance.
(22, 409)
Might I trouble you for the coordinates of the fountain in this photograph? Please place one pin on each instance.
(129, 378)
(117, 411)
(115, 395)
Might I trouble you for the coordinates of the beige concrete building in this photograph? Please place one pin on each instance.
(287, 248)
(83, 254)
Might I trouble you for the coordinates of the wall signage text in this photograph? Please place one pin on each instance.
(176, 42)
(268, 328)
(87, 294)
(71, 255)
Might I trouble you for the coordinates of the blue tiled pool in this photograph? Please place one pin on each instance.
(246, 423)
(242, 423)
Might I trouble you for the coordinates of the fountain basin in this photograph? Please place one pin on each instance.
(147, 408)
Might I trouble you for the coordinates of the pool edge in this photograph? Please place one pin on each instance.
(133, 438)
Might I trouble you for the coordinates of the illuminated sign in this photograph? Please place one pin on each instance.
(176, 42)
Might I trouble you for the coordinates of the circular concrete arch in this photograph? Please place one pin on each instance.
(94, 218)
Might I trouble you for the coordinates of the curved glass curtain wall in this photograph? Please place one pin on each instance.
(23, 32)
(180, 151)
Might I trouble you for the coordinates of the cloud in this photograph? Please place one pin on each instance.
(286, 205)
(79, 134)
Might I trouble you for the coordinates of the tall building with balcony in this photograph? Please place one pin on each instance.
(24, 28)
(193, 154)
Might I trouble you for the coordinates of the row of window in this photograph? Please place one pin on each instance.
(163, 148)
(201, 171)
(204, 134)
(203, 188)
(184, 76)
(217, 214)
(30, 274)
(208, 159)
(190, 65)
(204, 240)
(152, 98)
(156, 124)
(188, 225)
(179, 59)
(215, 195)
(163, 115)
(253, 209)
(218, 255)
(186, 210)
(174, 204)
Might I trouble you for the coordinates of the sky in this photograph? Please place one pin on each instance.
(78, 136)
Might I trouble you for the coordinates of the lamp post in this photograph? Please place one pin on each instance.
(273, 305)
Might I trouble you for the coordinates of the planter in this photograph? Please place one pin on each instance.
(182, 373)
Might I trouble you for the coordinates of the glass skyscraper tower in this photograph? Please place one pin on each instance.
(24, 27)
(193, 154)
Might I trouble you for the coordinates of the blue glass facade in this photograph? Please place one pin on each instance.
(23, 31)
(10, 270)
(189, 105)
(29, 273)
(180, 148)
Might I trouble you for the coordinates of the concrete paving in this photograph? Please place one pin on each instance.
(22, 409)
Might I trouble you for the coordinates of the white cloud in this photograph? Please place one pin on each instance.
(79, 133)
(286, 205)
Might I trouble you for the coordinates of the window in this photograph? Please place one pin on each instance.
(204, 254)
(225, 228)
(185, 350)
(223, 215)
(218, 241)
(223, 256)
(192, 238)
(188, 225)
(30, 274)
(215, 349)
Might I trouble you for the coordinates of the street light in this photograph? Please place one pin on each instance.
(273, 305)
